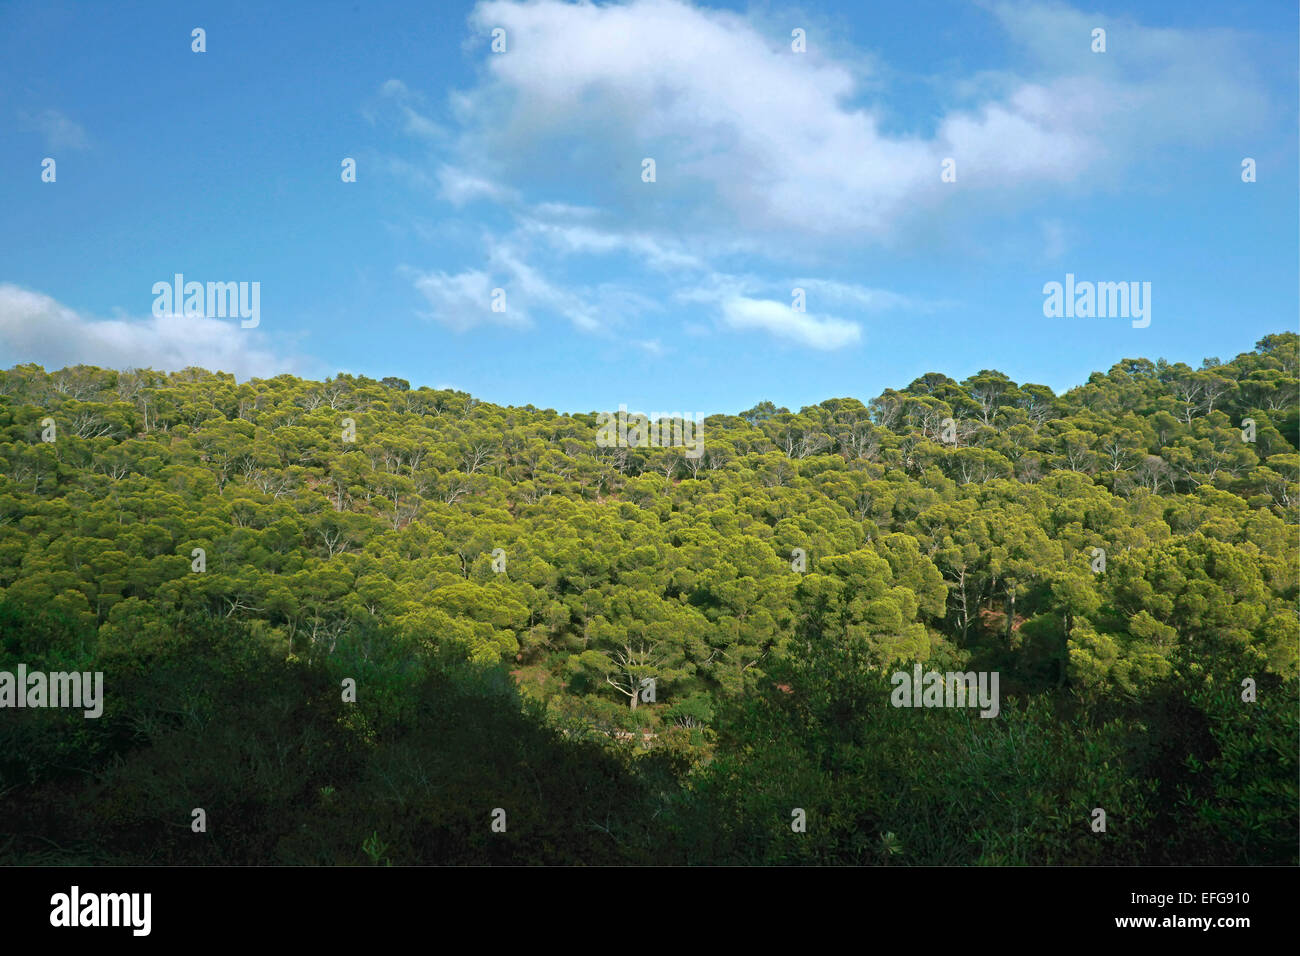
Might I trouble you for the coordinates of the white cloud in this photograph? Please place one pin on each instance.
(458, 300)
(464, 301)
(36, 328)
(564, 210)
(718, 286)
(406, 100)
(779, 319)
(659, 253)
(537, 290)
(764, 156)
(748, 136)
(725, 110)
(59, 131)
(858, 296)
(459, 187)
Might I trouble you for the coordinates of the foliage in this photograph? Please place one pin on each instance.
(504, 591)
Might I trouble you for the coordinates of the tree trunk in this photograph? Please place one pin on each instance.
(1064, 663)
(1011, 613)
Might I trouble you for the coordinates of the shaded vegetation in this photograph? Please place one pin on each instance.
(957, 524)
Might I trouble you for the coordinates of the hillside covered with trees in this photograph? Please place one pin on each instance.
(500, 589)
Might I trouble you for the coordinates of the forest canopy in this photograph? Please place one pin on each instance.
(503, 590)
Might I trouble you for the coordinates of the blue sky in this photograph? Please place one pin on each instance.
(522, 171)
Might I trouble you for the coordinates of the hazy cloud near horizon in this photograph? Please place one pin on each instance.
(36, 328)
